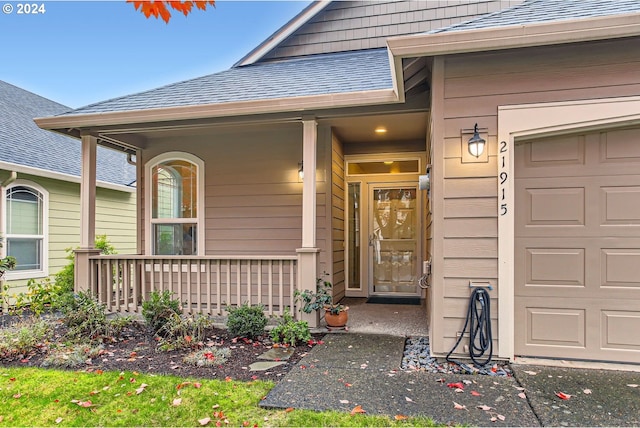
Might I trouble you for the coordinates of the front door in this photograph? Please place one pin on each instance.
(394, 225)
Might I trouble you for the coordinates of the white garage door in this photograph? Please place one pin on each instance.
(577, 247)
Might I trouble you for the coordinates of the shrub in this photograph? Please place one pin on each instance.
(71, 357)
(23, 337)
(181, 332)
(290, 331)
(246, 321)
(208, 357)
(159, 309)
(87, 320)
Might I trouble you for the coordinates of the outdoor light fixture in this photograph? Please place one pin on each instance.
(300, 171)
(476, 143)
(380, 130)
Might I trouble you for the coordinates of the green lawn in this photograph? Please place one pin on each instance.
(39, 397)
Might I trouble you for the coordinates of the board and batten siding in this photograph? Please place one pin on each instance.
(115, 217)
(354, 25)
(253, 196)
(468, 88)
(338, 208)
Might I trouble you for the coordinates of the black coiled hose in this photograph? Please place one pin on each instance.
(479, 323)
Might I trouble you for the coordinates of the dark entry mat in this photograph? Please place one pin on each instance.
(394, 300)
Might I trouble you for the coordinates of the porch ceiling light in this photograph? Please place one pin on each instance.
(380, 130)
(300, 171)
(476, 143)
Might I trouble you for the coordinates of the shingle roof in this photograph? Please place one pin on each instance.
(313, 75)
(23, 143)
(534, 11)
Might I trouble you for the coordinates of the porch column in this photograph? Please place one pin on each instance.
(308, 254)
(82, 272)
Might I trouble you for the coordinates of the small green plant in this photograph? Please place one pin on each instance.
(159, 309)
(6, 263)
(72, 356)
(322, 298)
(208, 357)
(23, 337)
(180, 332)
(87, 320)
(290, 331)
(246, 320)
(39, 297)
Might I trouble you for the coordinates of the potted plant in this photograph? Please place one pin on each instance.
(335, 314)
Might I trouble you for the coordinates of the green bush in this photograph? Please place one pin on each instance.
(180, 332)
(290, 331)
(159, 309)
(246, 321)
(23, 337)
(87, 320)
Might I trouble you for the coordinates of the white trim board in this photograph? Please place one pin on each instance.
(540, 120)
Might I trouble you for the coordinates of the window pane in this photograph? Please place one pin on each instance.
(174, 189)
(383, 167)
(354, 235)
(175, 239)
(24, 211)
(27, 253)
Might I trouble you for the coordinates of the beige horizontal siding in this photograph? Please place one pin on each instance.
(338, 217)
(474, 86)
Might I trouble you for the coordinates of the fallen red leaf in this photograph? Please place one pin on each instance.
(358, 409)
(182, 385)
(563, 396)
(459, 385)
(400, 417)
(12, 379)
(228, 379)
(288, 409)
(197, 385)
(16, 396)
(475, 393)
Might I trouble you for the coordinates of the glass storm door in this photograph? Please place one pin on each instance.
(393, 240)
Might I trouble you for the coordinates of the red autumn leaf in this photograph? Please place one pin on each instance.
(16, 396)
(13, 379)
(563, 396)
(228, 379)
(348, 385)
(204, 421)
(98, 372)
(458, 385)
(182, 385)
(245, 423)
(254, 377)
(288, 409)
(197, 385)
(358, 409)
(459, 406)
(475, 393)
(400, 417)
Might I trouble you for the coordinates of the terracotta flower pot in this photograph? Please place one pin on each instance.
(336, 320)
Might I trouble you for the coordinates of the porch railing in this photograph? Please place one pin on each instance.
(205, 284)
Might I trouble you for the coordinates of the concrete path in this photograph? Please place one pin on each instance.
(363, 369)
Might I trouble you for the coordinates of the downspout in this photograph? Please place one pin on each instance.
(12, 177)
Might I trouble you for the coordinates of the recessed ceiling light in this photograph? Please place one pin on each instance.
(381, 130)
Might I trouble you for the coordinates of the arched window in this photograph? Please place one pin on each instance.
(175, 204)
(25, 228)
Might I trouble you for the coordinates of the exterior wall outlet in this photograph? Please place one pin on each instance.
(484, 284)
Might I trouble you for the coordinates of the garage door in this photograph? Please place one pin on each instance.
(577, 247)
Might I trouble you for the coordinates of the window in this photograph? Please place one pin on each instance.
(25, 228)
(175, 205)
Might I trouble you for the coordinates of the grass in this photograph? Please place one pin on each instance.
(42, 397)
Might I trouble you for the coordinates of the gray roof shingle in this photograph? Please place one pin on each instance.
(313, 75)
(535, 11)
(23, 143)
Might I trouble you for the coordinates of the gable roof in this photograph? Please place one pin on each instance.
(296, 77)
(536, 11)
(23, 144)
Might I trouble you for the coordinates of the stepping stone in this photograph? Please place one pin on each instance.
(261, 366)
(277, 354)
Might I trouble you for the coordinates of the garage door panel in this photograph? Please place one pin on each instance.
(620, 205)
(556, 326)
(620, 329)
(555, 266)
(620, 268)
(620, 146)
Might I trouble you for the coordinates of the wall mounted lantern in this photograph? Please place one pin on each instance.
(476, 143)
(300, 171)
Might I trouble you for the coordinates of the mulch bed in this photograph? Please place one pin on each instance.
(136, 350)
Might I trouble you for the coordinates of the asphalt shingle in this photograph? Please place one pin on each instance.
(535, 11)
(295, 77)
(23, 143)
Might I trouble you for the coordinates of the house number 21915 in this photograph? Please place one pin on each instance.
(503, 177)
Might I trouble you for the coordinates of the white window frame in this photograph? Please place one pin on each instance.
(31, 273)
(150, 221)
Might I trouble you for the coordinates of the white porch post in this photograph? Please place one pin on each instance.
(308, 254)
(87, 214)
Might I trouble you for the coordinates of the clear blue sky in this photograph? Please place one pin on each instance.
(81, 52)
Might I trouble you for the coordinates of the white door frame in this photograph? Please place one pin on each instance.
(516, 122)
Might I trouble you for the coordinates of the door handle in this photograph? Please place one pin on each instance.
(371, 238)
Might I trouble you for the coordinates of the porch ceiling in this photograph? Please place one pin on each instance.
(400, 127)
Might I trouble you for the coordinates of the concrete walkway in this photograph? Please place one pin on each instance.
(363, 369)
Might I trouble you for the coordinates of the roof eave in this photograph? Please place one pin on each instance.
(67, 123)
(46, 173)
(516, 36)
